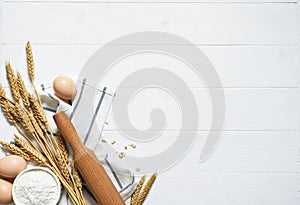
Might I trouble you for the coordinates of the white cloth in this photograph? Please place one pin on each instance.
(125, 182)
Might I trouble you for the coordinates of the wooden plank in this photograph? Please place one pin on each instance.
(211, 189)
(64, 23)
(247, 152)
(161, 1)
(237, 66)
(246, 109)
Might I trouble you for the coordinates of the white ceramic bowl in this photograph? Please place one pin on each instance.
(43, 189)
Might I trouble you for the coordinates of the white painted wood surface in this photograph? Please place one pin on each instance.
(254, 48)
(63, 23)
(163, 1)
(255, 67)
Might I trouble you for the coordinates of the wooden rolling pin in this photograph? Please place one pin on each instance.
(89, 167)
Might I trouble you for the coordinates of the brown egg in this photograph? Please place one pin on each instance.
(11, 166)
(64, 88)
(5, 192)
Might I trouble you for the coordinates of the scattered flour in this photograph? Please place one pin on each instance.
(36, 187)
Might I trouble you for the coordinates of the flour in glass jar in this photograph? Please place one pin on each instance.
(36, 187)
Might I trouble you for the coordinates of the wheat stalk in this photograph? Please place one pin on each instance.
(38, 110)
(23, 91)
(35, 125)
(146, 189)
(77, 179)
(34, 154)
(24, 119)
(30, 68)
(62, 146)
(39, 135)
(12, 82)
(39, 122)
(134, 196)
(14, 150)
(42, 122)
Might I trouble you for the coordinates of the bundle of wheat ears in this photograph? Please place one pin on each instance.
(139, 195)
(36, 142)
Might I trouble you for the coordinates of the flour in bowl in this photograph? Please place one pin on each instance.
(36, 187)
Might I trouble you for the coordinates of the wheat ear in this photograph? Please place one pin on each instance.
(77, 179)
(76, 175)
(64, 169)
(34, 154)
(30, 68)
(36, 126)
(134, 196)
(12, 82)
(23, 91)
(62, 146)
(15, 150)
(2, 92)
(6, 106)
(8, 109)
(146, 189)
(24, 119)
(30, 62)
(38, 110)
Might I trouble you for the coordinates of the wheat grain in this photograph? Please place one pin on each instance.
(122, 155)
(146, 189)
(62, 146)
(133, 146)
(15, 150)
(34, 154)
(23, 91)
(12, 82)
(134, 196)
(30, 62)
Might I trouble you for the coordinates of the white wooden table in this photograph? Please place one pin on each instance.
(253, 45)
